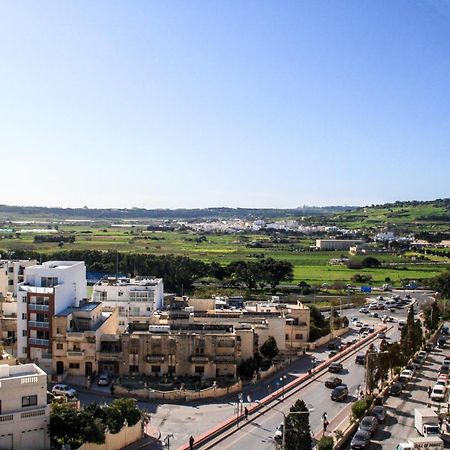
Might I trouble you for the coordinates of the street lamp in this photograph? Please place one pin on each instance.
(283, 382)
(291, 321)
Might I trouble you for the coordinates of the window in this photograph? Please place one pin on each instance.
(29, 400)
(156, 369)
(24, 349)
(10, 269)
(134, 369)
(171, 369)
(58, 330)
(200, 351)
(299, 336)
(24, 300)
(287, 337)
(199, 370)
(24, 316)
(74, 365)
(24, 333)
(59, 346)
(10, 282)
(49, 281)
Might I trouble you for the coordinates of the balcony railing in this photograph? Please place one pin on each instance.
(155, 358)
(75, 353)
(199, 358)
(36, 324)
(34, 341)
(36, 307)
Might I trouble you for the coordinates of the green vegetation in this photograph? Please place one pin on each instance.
(247, 251)
(69, 426)
(298, 431)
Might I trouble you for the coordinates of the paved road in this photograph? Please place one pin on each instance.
(183, 420)
(399, 423)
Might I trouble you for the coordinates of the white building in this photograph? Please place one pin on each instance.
(24, 416)
(336, 244)
(47, 290)
(11, 274)
(137, 298)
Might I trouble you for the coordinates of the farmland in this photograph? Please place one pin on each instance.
(312, 267)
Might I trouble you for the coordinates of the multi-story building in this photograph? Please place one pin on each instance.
(11, 274)
(24, 415)
(8, 321)
(207, 351)
(77, 334)
(336, 244)
(47, 290)
(137, 298)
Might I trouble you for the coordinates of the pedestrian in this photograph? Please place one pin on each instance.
(191, 443)
(429, 391)
(325, 426)
(246, 413)
(112, 389)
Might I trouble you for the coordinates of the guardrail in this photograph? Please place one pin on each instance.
(287, 391)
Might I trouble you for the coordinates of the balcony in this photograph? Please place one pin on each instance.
(41, 342)
(36, 307)
(75, 354)
(36, 324)
(225, 359)
(109, 356)
(199, 358)
(155, 358)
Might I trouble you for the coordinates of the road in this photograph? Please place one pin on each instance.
(195, 418)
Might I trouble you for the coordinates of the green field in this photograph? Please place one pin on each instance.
(310, 266)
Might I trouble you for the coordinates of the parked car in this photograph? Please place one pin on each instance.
(358, 323)
(380, 413)
(364, 310)
(335, 367)
(396, 389)
(439, 393)
(104, 379)
(339, 393)
(63, 389)
(333, 382)
(381, 335)
(332, 346)
(360, 440)
(374, 314)
(278, 435)
(442, 341)
(429, 346)
(360, 358)
(369, 424)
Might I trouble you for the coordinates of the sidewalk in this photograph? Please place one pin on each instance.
(151, 436)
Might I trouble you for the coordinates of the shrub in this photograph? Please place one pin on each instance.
(325, 443)
(360, 407)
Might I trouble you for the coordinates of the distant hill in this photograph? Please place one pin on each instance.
(34, 212)
(433, 215)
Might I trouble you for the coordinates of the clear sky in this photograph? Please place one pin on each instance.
(251, 103)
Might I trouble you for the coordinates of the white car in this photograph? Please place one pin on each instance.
(438, 393)
(64, 389)
(406, 373)
(278, 436)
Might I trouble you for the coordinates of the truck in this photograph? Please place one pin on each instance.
(431, 442)
(426, 422)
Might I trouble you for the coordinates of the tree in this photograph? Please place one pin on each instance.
(371, 369)
(432, 315)
(269, 349)
(359, 408)
(298, 431)
(441, 283)
(325, 443)
(408, 338)
(276, 271)
(66, 426)
(247, 368)
(121, 410)
(370, 262)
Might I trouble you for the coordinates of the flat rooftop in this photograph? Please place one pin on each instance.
(22, 370)
(86, 307)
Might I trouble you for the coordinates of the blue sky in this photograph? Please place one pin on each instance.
(224, 103)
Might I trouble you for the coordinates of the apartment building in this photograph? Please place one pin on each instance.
(207, 351)
(77, 332)
(136, 298)
(11, 274)
(46, 291)
(24, 415)
(8, 321)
